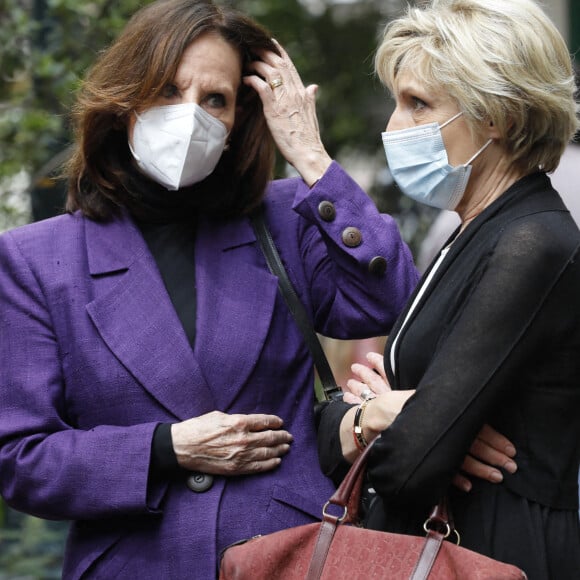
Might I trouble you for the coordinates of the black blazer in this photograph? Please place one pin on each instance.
(495, 339)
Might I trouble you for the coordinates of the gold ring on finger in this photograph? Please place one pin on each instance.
(277, 82)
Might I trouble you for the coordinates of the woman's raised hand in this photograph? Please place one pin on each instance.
(290, 110)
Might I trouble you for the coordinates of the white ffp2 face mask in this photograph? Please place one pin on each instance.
(177, 145)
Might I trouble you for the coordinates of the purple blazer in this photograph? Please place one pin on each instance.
(93, 358)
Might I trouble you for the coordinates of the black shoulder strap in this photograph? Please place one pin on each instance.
(330, 388)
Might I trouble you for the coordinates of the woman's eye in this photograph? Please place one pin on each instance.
(169, 91)
(216, 101)
(418, 103)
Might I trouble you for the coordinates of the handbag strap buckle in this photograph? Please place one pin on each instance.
(329, 517)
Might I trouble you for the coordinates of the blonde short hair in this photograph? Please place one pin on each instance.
(502, 61)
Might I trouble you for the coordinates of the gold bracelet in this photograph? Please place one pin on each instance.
(357, 427)
(357, 443)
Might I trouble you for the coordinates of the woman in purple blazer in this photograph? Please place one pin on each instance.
(155, 389)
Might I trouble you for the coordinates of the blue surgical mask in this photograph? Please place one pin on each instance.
(419, 165)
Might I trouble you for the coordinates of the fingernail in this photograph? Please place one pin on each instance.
(466, 486)
(496, 476)
(510, 466)
(510, 450)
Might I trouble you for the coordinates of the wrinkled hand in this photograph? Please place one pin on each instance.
(290, 110)
(223, 444)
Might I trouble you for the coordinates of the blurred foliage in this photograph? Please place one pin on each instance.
(31, 549)
(47, 45)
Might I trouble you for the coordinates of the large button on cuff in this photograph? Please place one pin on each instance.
(352, 237)
(199, 482)
(378, 265)
(326, 211)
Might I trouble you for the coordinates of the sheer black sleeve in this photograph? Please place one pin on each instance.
(528, 275)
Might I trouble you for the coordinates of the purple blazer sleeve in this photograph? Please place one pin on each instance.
(34, 421)
(358, 272)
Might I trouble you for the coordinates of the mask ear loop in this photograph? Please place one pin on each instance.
(451, 120)
(481, 150)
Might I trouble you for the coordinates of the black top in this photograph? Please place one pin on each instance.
(495, 339)
(173, 247)
(167, 221)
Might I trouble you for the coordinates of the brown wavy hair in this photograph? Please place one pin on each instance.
(129, 75)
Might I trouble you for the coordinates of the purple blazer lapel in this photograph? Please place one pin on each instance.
(133, 314)
(235, 303)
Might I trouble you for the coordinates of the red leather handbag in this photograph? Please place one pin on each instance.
(338, 549)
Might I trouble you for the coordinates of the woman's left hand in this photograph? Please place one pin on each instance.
(290, 110)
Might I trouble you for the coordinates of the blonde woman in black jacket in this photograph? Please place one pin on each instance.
(485, 106)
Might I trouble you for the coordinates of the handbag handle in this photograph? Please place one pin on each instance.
(329, 387)
(347, 497)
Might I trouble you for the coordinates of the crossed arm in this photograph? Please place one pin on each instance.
(488, 451)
